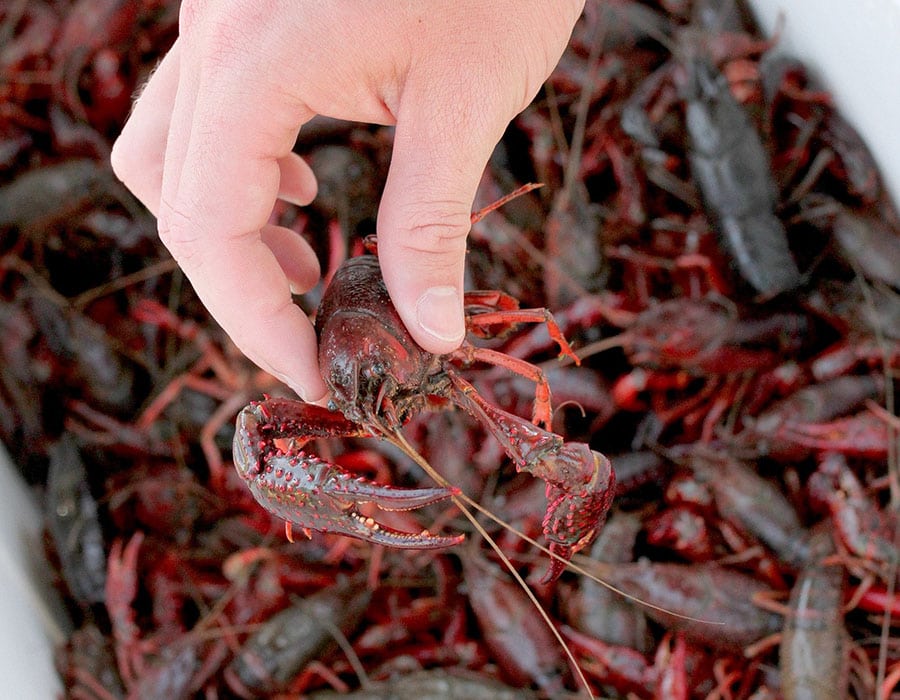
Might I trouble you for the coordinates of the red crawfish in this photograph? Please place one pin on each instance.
(524, 648)
(864, 528)
(378, 377)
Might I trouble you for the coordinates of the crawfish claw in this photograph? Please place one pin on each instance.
(313, 494)
(574, 517)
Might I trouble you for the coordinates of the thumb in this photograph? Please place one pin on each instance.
(424, 219)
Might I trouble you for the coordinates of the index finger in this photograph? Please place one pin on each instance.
(242, 284)
(220, 181)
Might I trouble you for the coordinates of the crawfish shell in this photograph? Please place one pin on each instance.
(358, 285)
(365, 352)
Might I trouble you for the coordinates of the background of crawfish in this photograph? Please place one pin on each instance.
(117, 395)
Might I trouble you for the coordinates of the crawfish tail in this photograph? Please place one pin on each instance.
(744, 497)
(522, 644)
(454, 684)
(597, 611)
(73, 523)
(759, 246)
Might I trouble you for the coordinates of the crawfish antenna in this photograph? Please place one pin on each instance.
(460, 500)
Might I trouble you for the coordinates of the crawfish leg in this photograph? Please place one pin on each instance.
(542, 414)
(524, 442)
(512, 316)
(121, 590)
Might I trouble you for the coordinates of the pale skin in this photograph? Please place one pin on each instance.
(208, 148)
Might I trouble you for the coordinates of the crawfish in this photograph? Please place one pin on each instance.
(293, 637)
(814, 644)
(73, 523)
(732, 170)
(378, 377)
(707, 602)
(524, 648)
(453, 684)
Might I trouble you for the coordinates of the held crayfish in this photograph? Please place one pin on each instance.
(378, 377)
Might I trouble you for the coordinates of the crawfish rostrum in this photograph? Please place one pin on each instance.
(712, 238)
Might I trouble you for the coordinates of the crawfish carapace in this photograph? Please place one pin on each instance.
(366, 354)
(378, 377)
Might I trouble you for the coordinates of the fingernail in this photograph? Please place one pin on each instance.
(439, 312)
(292, 199)
(299, 391)
(293, 386)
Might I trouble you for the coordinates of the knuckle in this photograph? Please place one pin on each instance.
(269, 309)
(176, 233)
(223, 29)
(438, 234)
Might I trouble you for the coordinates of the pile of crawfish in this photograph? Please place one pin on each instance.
(718, 258)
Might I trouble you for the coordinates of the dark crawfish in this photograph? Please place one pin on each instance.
(732, 170)
(378, 377)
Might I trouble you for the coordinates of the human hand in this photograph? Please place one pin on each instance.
(208, 148)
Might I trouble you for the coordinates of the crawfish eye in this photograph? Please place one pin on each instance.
(343, 380)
